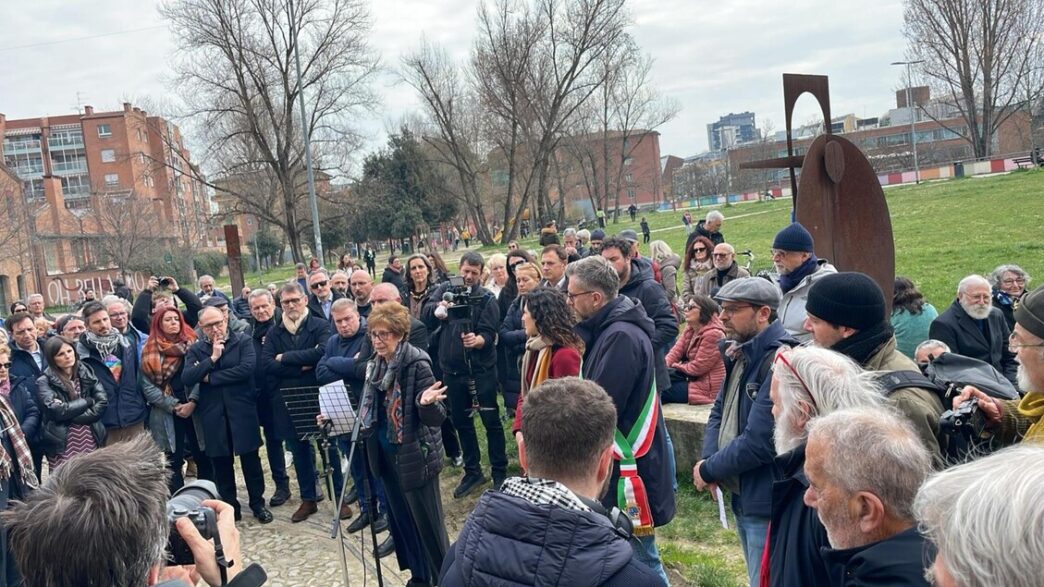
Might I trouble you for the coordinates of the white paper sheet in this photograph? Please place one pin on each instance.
(721, 508)
(334, 404)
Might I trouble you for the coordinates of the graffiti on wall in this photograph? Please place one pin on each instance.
(66, 289)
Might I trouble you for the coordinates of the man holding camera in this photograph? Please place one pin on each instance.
(468, 357)
(160, 292)
(79, 505)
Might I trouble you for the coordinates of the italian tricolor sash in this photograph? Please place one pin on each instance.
(631, 495)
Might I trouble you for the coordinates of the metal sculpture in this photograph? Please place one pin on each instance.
(839, 198)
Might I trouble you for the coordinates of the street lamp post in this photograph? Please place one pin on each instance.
(307, 141)
(913, 116)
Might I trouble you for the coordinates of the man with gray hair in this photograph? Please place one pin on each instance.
(864, 466)
(972, 327)
(928, 350)
(709, 227)
(725, 270)
(987, 520)
(619, 356)
(35, 304)
(806, 383)
(264, 314)
(323, 295)
(207, 290)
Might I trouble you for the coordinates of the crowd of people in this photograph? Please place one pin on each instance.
(837, 470)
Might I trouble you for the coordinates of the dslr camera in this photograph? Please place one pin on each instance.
(187, 502)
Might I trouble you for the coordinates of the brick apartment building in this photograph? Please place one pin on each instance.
(634, 159)
(63, 171)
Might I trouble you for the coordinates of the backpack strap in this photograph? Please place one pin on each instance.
(893, 380)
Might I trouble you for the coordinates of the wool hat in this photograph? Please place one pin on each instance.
(598, 234)
(794, 238)
(1029, 313)
(752, 290)
(847, 299)
(628, 235)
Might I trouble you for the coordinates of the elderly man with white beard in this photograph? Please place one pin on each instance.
(806, 383)
(972, 327)
(1022, 419)
(864, 466)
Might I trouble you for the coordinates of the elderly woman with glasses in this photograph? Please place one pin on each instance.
(401, 411)
(698, 261)
(1009, 283)
(696, 365)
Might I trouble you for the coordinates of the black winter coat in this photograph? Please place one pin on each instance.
(642, 287)
(419, 456)
(701, 230)
(898, 561)
(486, 322)
(23, 364)
(619, 357)
(512, 343)
(228, 399)
(23, 402)
(141, 314)
(258, 331)
(508, 540)
(301, 353)
(339, 360)
(59, 410)
(796, 535)
(961, 333)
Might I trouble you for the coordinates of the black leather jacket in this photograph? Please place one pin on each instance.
(59, 410)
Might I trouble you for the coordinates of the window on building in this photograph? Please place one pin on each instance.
(112, 179)
(631, 193)
(141, 157)
(104, 130)
(629, 178)
(108, 155)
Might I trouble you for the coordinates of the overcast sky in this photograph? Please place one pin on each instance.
(712, 57)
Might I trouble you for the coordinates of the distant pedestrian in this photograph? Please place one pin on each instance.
(687, 222)
(645, 229)
(370, 257)
(633, 211)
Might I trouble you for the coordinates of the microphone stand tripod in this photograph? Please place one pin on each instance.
(337, 530)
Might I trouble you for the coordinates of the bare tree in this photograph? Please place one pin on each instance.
(456, 138)
(237, 77)
(124, 227)
(620, 116)
(978, 54)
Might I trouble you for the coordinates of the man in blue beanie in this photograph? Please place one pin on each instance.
(793, 254)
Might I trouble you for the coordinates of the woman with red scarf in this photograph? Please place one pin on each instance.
(170, 419)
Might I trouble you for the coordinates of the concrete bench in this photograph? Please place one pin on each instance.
(685, 424)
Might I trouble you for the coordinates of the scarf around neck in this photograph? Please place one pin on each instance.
(538, 352)
(381, 382)
(292, 326)
(106, 344)
(21, 448)
(1032, 406)
(162, 357)
(862, 345)
(5, 387)
(790, 280)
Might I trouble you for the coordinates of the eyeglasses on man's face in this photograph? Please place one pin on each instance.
(320, 284)
(290, 301)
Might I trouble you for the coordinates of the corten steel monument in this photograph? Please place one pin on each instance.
(838, 199)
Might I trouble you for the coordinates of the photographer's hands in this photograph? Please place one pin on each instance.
(203, 550)
(990, 407)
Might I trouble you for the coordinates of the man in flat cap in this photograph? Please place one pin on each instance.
(1016, 420)
(737, 444)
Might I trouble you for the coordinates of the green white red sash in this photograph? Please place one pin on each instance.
(631, 496)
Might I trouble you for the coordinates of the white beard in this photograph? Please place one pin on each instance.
(1023, 379)
(785, 437)
(977, 311)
